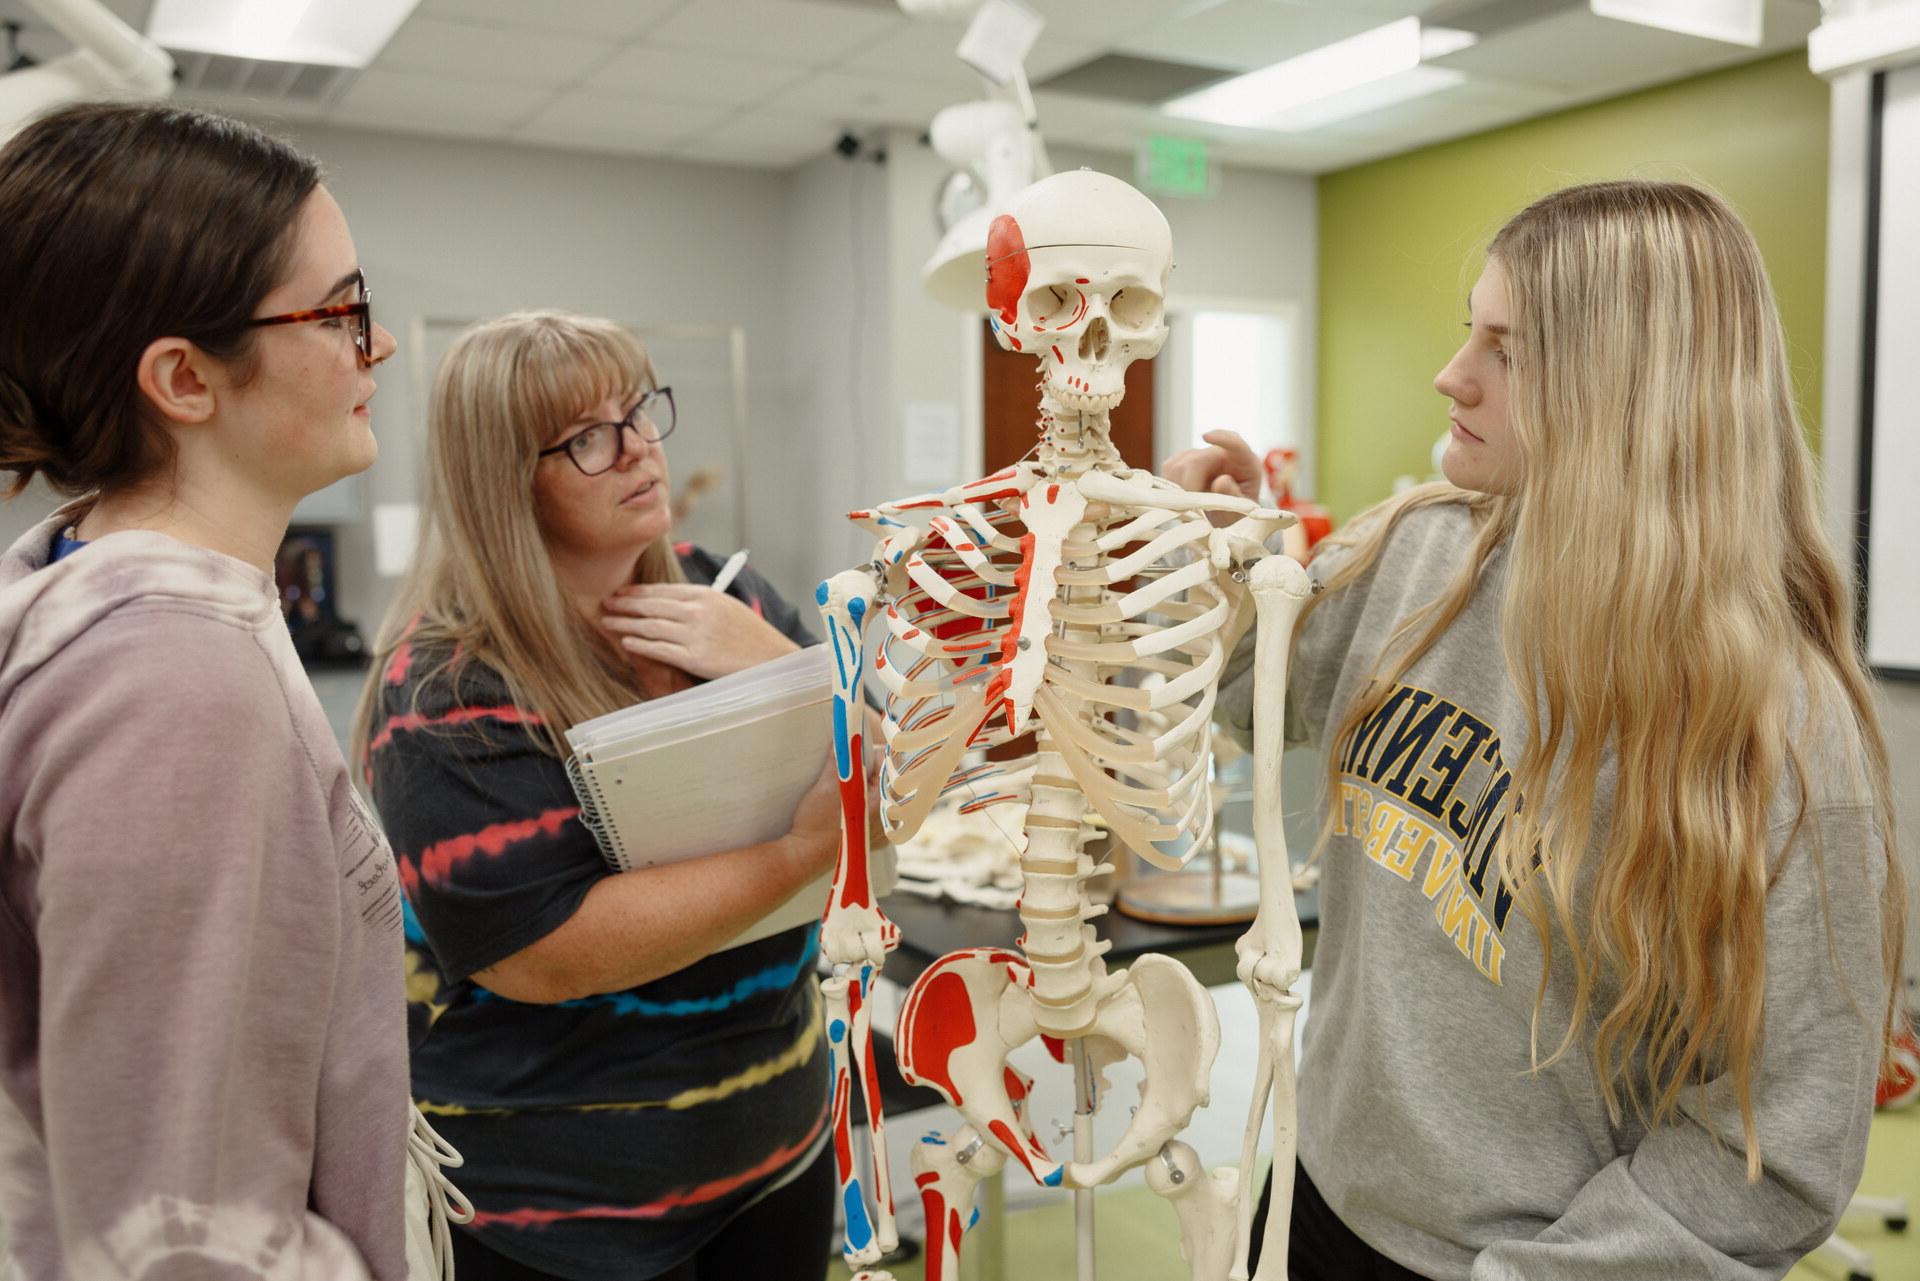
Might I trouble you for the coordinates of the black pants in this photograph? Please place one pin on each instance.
(784, 1236)
(1321, 1247)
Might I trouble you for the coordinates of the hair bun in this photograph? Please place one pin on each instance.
(24, 446)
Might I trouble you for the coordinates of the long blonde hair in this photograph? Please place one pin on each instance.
(482, 585)
(1668, 583)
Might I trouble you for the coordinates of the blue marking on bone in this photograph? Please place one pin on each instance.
(973, 1218)
(837, 1030)
(858, 608)
(859, 1231)
(833, 632)
(933, 1137)
(820, 593)
(842, 748)
(1053, 1180)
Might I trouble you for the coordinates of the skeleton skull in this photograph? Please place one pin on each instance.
(1077, 277)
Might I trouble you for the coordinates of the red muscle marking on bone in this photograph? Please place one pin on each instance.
(1016, 1085)
(1010, 643)
(1055, 1046)
(857, 892)
(842, 1129)
(954, 1229)
(1015, 342)
(1007, 267)
(1026, 1153)
(1057, 356)
(940, 1023)
(935, 1208)
(1081, 280)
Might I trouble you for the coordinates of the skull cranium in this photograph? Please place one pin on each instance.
(1077, 277)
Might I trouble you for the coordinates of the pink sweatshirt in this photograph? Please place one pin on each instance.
(203, 1058)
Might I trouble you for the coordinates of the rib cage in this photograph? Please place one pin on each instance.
(1143, 620)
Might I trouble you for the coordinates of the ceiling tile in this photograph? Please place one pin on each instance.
(397, 100)
(925, 52)
(1244, 34)
(692, 77)
(1581, 55)
(798, 32)
(618, 19)
(850, 99)
(922, 51)
(1107, 22)
(38, 37)
(620, 117)
(457, 48)
(1450, 113)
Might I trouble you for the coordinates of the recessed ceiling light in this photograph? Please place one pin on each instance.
(1734, 21)
(328, 32)
(1267, 98)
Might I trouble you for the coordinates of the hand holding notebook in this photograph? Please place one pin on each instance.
(713, 768)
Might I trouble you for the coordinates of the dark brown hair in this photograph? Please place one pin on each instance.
(121, 223)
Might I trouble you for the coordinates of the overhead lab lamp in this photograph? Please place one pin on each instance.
(109, 60)
(327, 34)
(1348, 77)
(1731, 21)
(994, 144)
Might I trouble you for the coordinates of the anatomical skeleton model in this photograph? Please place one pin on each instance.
(1096, 604)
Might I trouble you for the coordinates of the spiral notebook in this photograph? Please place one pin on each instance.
(711, 768)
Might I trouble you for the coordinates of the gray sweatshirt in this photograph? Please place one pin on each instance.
(1420, 1119)
(203, 1060)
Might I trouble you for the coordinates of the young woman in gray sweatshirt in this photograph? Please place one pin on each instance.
(1609, 910)
(202, 1049)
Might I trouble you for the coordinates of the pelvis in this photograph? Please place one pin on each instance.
(969, 1010)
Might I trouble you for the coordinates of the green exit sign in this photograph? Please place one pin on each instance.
(1175, 167)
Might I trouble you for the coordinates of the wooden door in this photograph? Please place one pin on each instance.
(1010, 405)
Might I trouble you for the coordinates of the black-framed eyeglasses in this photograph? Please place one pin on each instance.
(596, 448)
(360, 311)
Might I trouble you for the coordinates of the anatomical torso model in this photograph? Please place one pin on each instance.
(1096, 605)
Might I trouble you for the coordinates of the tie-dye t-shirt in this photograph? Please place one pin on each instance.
(607, 1137)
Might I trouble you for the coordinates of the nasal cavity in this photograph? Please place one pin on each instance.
(1094, 339)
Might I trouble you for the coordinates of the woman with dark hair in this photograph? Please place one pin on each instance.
(202, 1050)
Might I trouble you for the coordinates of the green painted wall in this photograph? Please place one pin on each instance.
(1401, 243)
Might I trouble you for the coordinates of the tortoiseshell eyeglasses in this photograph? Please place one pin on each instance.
(361, 312)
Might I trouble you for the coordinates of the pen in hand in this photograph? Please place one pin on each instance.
(730, 570)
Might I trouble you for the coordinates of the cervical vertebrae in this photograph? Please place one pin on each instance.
(1095, 605)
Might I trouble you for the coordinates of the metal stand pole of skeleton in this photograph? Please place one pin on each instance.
(1042, 598)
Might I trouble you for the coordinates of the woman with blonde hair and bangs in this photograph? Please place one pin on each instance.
(1607, 676)
(630, 1101)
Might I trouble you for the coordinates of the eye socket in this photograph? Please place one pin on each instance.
(1052, 305)
(1134, 307)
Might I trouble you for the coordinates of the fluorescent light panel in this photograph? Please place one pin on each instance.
(1732, 21)
(1271, 96)
(335, 33)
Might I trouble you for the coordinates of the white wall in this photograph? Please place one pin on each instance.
(821, 265)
